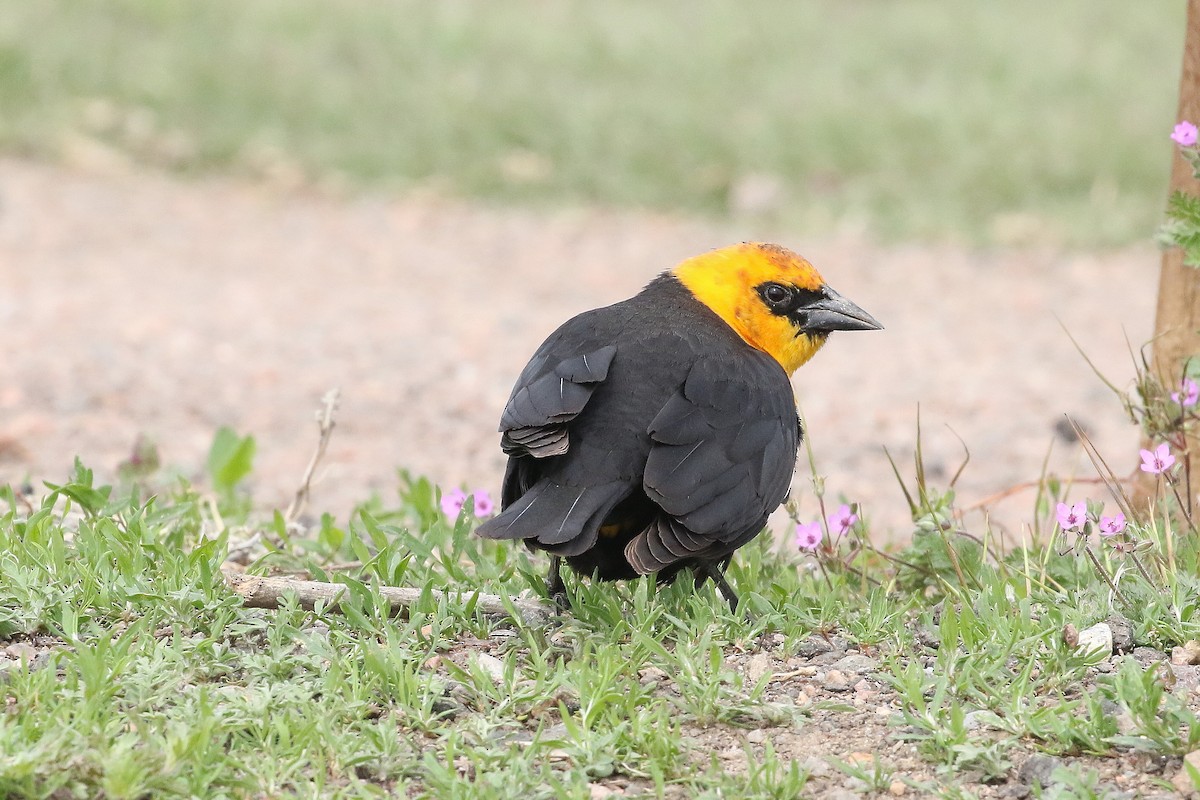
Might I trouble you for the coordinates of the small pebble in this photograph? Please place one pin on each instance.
(974, 720)
(855, 663)
(1096, 640)
(1188, 654)
(836, 681)
(1148, 655)
(651, 674)
(20, 651)
(493, 666)
(758, 666)
(1122, 633)
(1182, 781)
(1037, 770)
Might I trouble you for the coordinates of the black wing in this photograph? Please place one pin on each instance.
(723, 454)
(550, 392)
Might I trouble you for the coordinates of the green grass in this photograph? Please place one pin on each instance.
(979, 121)
(159, 683)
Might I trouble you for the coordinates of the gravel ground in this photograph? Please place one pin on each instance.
(141, 304)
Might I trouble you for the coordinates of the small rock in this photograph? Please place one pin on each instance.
(1038, 769)
(929, 638)
(897, 788)
(856, 663)
(816, 767)
(651, 675)
(1070, 635)
(1122, 633)
(756, 736)
(493, 666)
(836, 681)
(1183, 781)
(1188, 654)
(1187, 677)
(1148, 655)
(1096, 640)
(974, 720)
(20, 651)
(758, 666)
(1150, 763)
(826, 659)
(597, 792)
(815, 645)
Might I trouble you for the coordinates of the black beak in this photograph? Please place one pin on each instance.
(835, 313)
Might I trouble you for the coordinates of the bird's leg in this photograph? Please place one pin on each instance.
(555, 586)
(716, 573)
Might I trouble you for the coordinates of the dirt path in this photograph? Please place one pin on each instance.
(136, 303)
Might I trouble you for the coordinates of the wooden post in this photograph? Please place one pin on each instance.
(1177, 321)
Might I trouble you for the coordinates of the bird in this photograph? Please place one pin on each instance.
(656, 435)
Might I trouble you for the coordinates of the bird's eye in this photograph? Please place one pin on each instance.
(775, 294)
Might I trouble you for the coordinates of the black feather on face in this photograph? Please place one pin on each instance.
(814, 311)
(786, 300)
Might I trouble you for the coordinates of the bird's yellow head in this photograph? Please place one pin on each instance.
(774, 299)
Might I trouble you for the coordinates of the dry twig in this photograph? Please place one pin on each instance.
(325, 423)
(265, 592)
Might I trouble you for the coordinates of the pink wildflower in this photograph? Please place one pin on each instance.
(452, 503)
(1071, 517)
(483, 503)
(841, 521)
(808, 535)
(1111, 526)
(1185, 134)
(1188, 394)
(1157, 461)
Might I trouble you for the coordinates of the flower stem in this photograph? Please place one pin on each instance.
(1185, 508)
(1142, 569)
(1107, 578)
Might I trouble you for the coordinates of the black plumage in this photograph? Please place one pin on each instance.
(646, 437)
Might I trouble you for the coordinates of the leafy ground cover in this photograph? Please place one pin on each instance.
(130, 669)
(915, 120)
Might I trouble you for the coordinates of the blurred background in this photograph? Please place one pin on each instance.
(211, 212)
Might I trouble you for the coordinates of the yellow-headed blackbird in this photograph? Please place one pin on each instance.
(658, 433)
